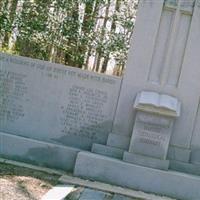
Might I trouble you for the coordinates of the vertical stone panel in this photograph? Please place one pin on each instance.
(179, 49)
(196, 130)
(140, 56)
(162, 41)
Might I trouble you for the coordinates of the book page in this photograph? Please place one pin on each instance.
(168, 102)
(151, 98)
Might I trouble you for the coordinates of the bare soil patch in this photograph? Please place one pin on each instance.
(24, 184)
(20, 183)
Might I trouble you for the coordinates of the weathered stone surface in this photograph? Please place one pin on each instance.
(179, 154)
(55, 103)
(185, 167)
(37, 152)
(120, 192)
(146, 161)
(120, 197)
(107, 151)
(89, 194)
(119, 141)
(195, 156)
(170, 183)
(151, 135)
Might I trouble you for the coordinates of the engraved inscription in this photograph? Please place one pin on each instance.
(84, 115)
(151, 134)
(51, 102)
(12, 92)
(152, 128)
(155, 120)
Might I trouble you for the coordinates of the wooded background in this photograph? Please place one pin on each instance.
(89, 34)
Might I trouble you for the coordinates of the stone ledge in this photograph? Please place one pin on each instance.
(107, 151)
(146, 161)
(37, 152)
(185, 167)
(117, 190)
(113, 171)
(178, 154)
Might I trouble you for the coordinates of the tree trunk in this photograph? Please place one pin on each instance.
(91, 12)
(13, 36)
(105, 63)
(102, 35)
(3, 8)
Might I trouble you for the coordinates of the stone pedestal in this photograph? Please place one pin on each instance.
(152, 130)
(151, 135)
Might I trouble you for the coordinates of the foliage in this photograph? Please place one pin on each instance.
(68, 31)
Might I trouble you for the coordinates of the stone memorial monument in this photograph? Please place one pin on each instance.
(152, 130)
(142, 132)
(163, 59)
(48, 110)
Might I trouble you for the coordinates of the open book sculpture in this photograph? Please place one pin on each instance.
(157, 103)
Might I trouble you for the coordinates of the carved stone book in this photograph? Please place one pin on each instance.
(157, 103)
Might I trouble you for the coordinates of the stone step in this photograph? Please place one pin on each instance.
(37, 152)
(89, 194)
(185, 167)
(118, 191)
(107, 151)
(113, 171)
(146, 161)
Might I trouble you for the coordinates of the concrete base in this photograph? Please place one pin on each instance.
(146, 161)
(170, 183)
(185, 167)
(37, 152)
(179, 154)
(121, 191)
(119, 141)
(107, 151)
(195, 156)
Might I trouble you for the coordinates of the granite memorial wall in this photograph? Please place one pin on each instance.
(54, 103)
